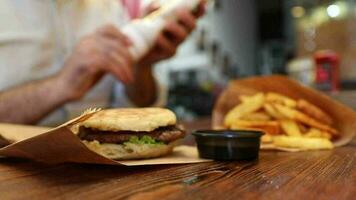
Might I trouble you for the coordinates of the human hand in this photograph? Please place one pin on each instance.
(103, 52)
(174, 33)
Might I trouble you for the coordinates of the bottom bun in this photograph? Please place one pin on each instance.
(130, 150)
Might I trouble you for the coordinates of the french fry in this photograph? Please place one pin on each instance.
(317, 133)
(256, 116)
(288, 113)
(302, 143)
(287, 123)
(326, 135)
(244, 98)
(303, 118)
(266, 138)
(270, 127)
(254, 104)
(271, 110)
(313, 111)
(278, 98)
(313, 133)
(246, 123)
(291, 128)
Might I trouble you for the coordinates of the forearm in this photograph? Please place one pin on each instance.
(29, 103)
(143, 91)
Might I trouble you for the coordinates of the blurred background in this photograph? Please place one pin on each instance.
(312, 41)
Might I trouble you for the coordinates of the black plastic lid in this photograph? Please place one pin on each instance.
(228, 133)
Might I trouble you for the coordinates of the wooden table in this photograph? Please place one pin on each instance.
(276, 175)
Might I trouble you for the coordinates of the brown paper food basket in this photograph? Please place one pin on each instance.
(343, 116)
(61, 145)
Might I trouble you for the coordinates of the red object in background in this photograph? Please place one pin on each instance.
(327, 70)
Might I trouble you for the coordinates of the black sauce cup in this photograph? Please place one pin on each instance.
(228, 144)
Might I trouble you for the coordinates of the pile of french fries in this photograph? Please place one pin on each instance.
(286, 122)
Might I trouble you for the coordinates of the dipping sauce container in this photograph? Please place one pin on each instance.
(228, 144)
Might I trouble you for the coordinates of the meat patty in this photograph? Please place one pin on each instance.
(163, 134)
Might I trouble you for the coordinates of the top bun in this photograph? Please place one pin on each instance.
(130, 119)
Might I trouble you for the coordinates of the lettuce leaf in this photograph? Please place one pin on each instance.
(143, 140)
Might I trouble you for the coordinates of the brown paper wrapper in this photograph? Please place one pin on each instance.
(61, 145)
(344, 117)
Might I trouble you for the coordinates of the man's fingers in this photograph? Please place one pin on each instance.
(165, 45)
(175, 32)
(112, 32)
(186, 19)
(200, 11)
(109, 66)
(125, 54)
(123, 66)
(114, 58)
(118, 57)
(111, 46)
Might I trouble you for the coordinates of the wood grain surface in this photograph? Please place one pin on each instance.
(276, 175)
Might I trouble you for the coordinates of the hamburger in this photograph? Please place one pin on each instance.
(131, 133)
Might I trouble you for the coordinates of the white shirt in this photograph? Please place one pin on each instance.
(36, 37)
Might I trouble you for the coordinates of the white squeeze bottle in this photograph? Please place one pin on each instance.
(144, 32)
